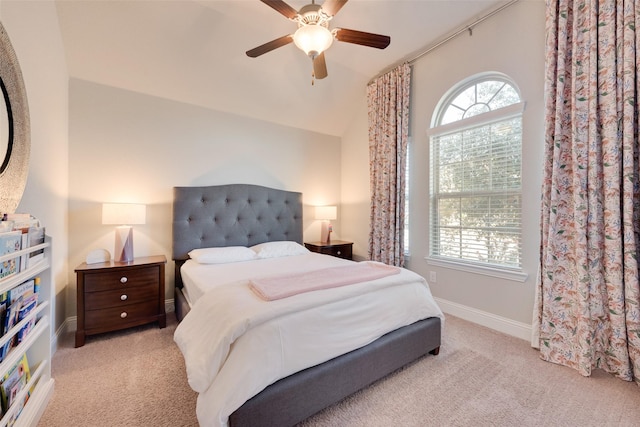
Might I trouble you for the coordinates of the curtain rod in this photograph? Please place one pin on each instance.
(465, 28)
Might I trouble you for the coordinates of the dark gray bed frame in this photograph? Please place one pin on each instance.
(246, 215)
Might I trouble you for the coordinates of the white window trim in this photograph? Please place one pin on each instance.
(502, 272)
(504, 113)
(407, 252)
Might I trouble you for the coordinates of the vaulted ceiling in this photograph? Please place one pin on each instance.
(193, 51)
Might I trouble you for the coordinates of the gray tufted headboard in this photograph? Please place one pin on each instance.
(233, 215)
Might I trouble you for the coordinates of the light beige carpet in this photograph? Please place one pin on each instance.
(128, 378)
(480, 378)
(484, 378)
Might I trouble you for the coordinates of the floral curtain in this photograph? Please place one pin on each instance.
(588, 295)
(388, 103)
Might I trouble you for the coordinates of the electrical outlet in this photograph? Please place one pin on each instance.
(432, 277)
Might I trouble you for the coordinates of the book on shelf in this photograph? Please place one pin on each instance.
(10, 241)
(3, 314)
(4, 302)
(14, 417)
(11, 318)
(24, 244)
(23, 290)
(28, 305)
(18, 302)
(35, 237)
(6, 226)
(14, 381)
(36, 285)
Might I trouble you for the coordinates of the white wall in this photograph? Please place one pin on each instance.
(131, 147)
(511, 42)
(33, 29)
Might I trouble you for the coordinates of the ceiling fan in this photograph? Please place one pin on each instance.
(313, 35)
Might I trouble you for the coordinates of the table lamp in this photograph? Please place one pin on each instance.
(326, 214)
(124, 215)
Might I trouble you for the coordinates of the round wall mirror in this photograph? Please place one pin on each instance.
(15, 139)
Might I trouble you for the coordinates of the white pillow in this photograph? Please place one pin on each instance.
(279, 249)
(222, 255)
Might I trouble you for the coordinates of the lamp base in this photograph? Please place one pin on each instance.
(325, 232)
(124, 244)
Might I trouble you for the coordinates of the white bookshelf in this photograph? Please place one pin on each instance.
(36, 345)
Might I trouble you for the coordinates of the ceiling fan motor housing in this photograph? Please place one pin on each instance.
(312, 14)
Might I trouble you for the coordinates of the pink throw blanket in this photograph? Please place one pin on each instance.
(277, 287)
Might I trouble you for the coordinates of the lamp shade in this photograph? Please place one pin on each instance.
(326, 212)
(313, 39)
(123, 213)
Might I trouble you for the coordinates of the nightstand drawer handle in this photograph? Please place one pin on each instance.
(123, 297)
(123, 279)
(339, 252)
(123, 314)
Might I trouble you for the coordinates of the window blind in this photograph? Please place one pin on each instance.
(476, 193)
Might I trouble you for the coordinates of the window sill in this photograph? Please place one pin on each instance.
(502, 273)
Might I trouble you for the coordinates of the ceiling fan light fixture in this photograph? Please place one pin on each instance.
(313, 39)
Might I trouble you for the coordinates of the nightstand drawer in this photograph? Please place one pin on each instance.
(120, 297)
(342, 251)
(110, 280)
(112, 318)
(337, 248)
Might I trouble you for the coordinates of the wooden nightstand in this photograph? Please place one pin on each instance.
(118, 295)
(337, 248)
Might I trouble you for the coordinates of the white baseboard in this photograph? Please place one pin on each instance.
(69, 325)
(498, 323)
(169, 306)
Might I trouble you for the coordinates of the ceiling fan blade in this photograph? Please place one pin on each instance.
(331, 7)
(269, 46)
(362, 38)
(281, 7)
(320, 67)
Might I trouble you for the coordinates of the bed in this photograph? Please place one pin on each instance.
(251, 216)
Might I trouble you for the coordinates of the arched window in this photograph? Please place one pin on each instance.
(475, 164)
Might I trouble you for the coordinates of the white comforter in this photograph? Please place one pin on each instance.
(236, 344)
